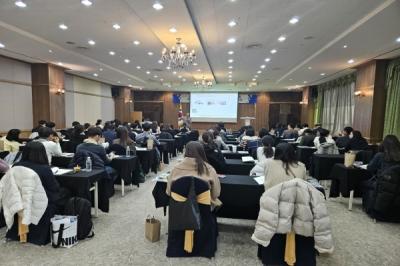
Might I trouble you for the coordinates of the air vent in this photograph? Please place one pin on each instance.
(82, 47)
(157, 70)
(254, 46)
(308, 37)
(276, 68)
(69, 42)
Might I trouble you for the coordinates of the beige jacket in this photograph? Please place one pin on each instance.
(188, 168)
(295, 206)
(275, 172)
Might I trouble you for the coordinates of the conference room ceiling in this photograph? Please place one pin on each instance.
(312, 52)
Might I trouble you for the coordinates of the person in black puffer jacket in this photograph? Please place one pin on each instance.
(357, 142)
(214, 156)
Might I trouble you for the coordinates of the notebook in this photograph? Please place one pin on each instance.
(247, 159)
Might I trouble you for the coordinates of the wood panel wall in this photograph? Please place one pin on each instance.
(123, 104)
(47, 104)
(369, 109)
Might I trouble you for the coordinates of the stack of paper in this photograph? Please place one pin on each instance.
(259, 179)
(247, 159)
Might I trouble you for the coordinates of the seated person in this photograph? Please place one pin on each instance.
(388, 155)
(155, 128)
(11, 142)
(342, 141)
(263, 153)
(307, 139)
(109, 133)
(263, 132)
(218, 139)
(52, 126)
(70, 131)
(124, 140)
(98, 123)
(213, 153)
(78, 134)
(289, 133)
(41, 123)
(34, 157)
(357, 142)
(146, 134)
(324, 143)
(50, 141)
(248, 135)
(303, 128)
(283, 167)
(195, 164)
(184, 128)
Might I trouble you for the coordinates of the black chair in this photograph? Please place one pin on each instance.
(165, 135)
(205, 239)
(364, 156)
(117, 149)
(3, 154)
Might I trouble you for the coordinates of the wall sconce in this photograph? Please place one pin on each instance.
(60, 91)
(359, 94)
(303, 102)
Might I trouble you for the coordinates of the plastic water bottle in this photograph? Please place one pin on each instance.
(128, 151)
(88, 164)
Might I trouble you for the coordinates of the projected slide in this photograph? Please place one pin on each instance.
(213, 107)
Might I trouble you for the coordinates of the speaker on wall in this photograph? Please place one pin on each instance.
(115, 91)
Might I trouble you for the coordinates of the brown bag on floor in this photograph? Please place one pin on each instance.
(349, 158)
(152, 229)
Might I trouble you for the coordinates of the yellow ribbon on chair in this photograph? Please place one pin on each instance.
(202, 198)
(290, 248)
(23, 229)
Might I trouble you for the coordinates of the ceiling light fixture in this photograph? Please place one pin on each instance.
(231, 52)
(91, 42)
(351, 61)
(136, 42)
(86, 2)
(183, 79)
(178, 56)
(322, 74)
(130, 85)
(155, 76)
(60, 64)
(161, 79)
(150, 53)
(230, 67)
(262, 66)
(294, 20)
(282, 38)
(273, 51)
(116, 26)
(101, 69)
(111, 53)
(229, 72)
(119, 82)
(50, 51)
(232, 23)
(168, 67)
(160, 61)
(259, 72)
(158, 6)
(95, 74)
(173, 30)
(345, 46)
(309, 68)
(2, 45)
(199, 70)
(138, 67)
(179, 77)
(230, 60)
(256, 76)
(63, 26)
(174, 73)
(127, 61)
(304, 82)
(398, 39)
(148, 72)
(229, 76)
(267, 59)
(254, 79)
(203, 83)
(231, 40)
(195, 64)
(20, 4)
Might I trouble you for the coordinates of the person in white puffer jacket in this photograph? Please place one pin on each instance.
(296, 206)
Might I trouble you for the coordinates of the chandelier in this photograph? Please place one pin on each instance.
(178, 56)
(203, 83)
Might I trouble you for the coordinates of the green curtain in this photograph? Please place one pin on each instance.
(318, 109)
(392, 113)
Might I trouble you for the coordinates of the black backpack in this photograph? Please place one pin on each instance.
(81, 207)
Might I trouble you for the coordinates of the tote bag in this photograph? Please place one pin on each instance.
(64, 231)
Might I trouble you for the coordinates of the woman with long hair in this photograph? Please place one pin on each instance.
(388, 155)
(123, 139)
(283, 167)
(213, 152)
(195, 164)
(11, 142)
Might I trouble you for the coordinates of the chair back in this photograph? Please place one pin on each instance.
(252, 146)
(117, 149)
(364, 156)
(165, 135)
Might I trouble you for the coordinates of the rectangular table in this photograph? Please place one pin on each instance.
(234, 155)
(322, 165)
(304, 155)
(148, 159)
(237, 167)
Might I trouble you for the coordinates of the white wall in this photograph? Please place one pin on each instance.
(82, 107)
(15, 99)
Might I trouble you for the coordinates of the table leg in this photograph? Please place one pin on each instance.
(122, 187)
(165, 210)
(351, 200)
(96, 199)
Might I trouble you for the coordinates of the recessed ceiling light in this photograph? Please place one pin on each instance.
(183, 79)
(262, 66)
(155, 76)
(101, 69)
(160, 61)
(230, 67)
(231, 52)
(150, 53)
(304, 82)
(294, 20)
(60, 64)
(127, 61)
(229, 76)
(230, 72)
(136, 42)
(111, 53)
(119, 82)
(231, 40)
(173, 30)
(158, 6)
(282, 38)
(130, 85)
(148, 72)
(91, 42)
(116, 26)
(95, 74)
(179, 77)
(50, 51)
(259, 72)
(309, 68)
(267, 59)
(247, 89)
(273, 51)
(351, 61)
(63, 26)
(254, 79)
(398, 39)
(322, 74)
(345, 46)
(195, 64)
(168, 67)
(138, 67)
(2, 45)
(20, 4)
(230, 60)
(86, 2)
(174, 72)
(198, 70)
(256, 76)
(232, 23)
(290, 79)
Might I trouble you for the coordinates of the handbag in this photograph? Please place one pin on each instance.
(185, 215)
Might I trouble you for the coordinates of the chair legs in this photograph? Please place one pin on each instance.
(351, 200)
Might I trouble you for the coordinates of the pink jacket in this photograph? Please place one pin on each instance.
(3, 166)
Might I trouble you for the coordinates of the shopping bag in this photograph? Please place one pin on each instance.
(64, 231)
(349, 158)
(152, 229)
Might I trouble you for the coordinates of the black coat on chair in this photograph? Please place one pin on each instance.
(205, 239)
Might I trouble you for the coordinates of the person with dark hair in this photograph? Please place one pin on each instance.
(342, 141)
(357, 142)
(195, 164)
(213, 153)
(307, 139)
(123, 139)
(109, 133)
(218, 139)
(184, 128)
(98, 123)
(263, 132)
(263, 154)
(304, 126)
(50, 141)
(289, 133)
(324, 143)
(136, 125)
(78, 134)
(388, 155)
(146, 134)
(11, 142)
(249, 135)
(51, 125)
(283, 167)
(41, 123)
(155, 128)
(34, 157)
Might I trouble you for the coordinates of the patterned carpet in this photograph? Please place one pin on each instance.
(120, 239)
